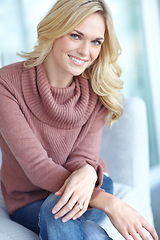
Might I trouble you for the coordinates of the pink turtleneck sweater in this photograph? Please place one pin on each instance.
(46, 133)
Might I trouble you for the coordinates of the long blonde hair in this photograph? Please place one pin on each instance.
(104, 73)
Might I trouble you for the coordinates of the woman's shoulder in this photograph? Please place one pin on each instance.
(8, 72)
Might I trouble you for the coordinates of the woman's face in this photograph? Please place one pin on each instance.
(76, 51)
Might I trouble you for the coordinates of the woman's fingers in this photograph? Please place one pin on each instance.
(75, 211)
(72, 209)
(66, 193)
(144, 229)
(61, 203)
(138, 235)
(132, 234)
(60, 191)
(67, 207)
(143, 234)
(151, 230)
(81, 212)
(139, 232)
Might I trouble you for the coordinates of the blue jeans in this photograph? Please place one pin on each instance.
(38, 217)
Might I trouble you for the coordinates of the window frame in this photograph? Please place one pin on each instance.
(151, 17)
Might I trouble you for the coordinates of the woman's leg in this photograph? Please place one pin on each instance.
(86, 227)
(38, 218)
(92, 231)
(92, 218)
(53, 229)
(28, 216)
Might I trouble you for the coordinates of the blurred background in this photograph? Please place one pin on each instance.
(137, 24)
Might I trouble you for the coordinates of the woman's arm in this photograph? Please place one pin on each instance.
(126, 220)
(87, 172)
(87, 151)
(33, 159)
(24, 145)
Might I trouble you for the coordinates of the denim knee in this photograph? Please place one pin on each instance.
(46, 216)
(48, 204)
(93, 231)
(46, 208)
(53, 229)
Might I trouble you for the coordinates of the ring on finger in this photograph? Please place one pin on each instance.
(80, 205)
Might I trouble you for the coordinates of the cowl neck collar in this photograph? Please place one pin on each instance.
(65, 108)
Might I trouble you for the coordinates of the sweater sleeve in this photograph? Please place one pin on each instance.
(25, 147)
(88, 150)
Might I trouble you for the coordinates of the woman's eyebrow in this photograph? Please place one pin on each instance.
(82, 34)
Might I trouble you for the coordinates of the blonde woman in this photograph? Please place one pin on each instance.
(53, 108)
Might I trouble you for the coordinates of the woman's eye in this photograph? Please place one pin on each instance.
(96, 42)
(75, 36)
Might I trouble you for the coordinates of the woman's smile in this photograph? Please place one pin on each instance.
(77, 61)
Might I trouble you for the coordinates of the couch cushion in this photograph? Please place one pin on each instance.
(10, 230)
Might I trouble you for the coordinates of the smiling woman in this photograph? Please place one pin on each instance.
(53, 109)
(74, 52)
(105, 71)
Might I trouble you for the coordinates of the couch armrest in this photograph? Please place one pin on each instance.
(125, 148)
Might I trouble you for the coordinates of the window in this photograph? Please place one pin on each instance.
(138, 30)
(19, 19)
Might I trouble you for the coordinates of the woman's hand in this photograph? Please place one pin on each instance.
(78, 188)
(126, 220)
(129, 222)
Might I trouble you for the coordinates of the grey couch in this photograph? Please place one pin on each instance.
(125, 149)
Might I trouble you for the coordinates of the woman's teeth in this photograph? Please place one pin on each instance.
(76, 60)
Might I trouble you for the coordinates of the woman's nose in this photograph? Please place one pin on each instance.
(83, 49)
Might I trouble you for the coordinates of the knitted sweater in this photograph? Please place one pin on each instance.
(46, 133)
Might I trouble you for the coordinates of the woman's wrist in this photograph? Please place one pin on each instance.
(90, 170)
(104, 202)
